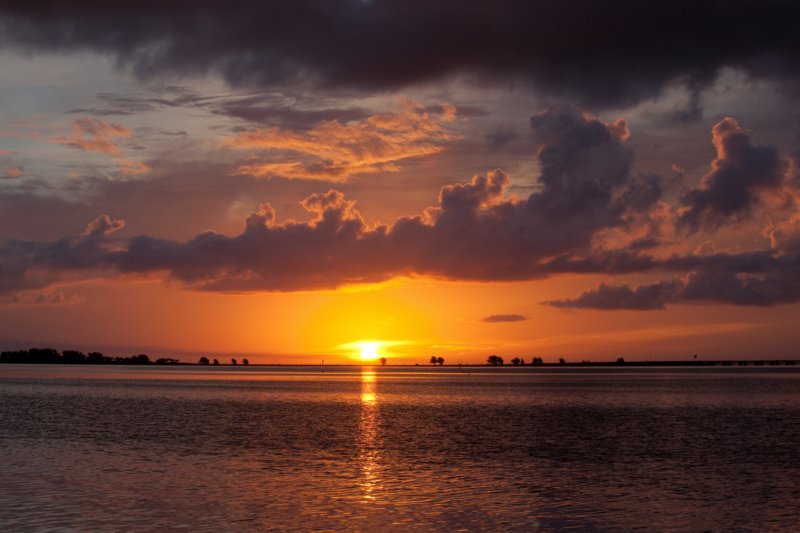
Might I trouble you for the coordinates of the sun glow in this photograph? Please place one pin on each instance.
(369, 351)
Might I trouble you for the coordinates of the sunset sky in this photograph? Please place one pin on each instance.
(309, 179)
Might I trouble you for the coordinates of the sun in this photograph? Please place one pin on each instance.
(369, 351)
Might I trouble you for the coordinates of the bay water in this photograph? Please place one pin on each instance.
(184, 448)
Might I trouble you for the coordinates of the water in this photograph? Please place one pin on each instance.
(390, 449)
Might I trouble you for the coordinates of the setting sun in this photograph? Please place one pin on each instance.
(369, 351)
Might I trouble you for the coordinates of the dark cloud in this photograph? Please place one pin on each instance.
(739, 174)
(503, 318)
(474, 232)
(259, 107)
(29, 266)
(288, 117)
(754, 279)
(616, 297)
(600, 53)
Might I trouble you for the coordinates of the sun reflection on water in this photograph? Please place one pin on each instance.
(368, 439)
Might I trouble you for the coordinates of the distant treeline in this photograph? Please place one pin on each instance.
(496, 360)
(74, 357)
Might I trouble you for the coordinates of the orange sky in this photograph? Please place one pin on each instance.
(518, 203)
(410, 321)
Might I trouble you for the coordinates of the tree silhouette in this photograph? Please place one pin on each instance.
(203, 360)
(383, 361)
(97, 358)
(620, 360)
(72, 357)
(537, 361)
(495, 360)
(440, 360)
(245, 362)
(233, 361)
(561, 361)
(516, 361)
(434, 360)
(216, 361)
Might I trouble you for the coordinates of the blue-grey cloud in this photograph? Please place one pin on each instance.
(739, 174)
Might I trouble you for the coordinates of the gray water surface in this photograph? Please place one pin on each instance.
(117, 448)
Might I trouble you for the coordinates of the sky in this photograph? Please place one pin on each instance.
(307, 180)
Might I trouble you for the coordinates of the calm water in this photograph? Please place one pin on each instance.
(293, 449)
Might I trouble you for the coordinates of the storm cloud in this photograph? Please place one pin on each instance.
(778, 285)
(596, 53)
(738, 176)
(475, 231)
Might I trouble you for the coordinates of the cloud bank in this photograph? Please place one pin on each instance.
(596, 53)
(478, 231)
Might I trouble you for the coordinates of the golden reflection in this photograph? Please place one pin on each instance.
(368, 439)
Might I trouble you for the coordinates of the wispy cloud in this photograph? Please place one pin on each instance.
(128, 167)
(94, 135)
(335, 151)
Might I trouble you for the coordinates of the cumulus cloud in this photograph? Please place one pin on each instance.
(491, 319)
(739, 174)
(475, 231)
(614, 297)
(335, 151)
(611, 55)
(776, 284)
(94, 135)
